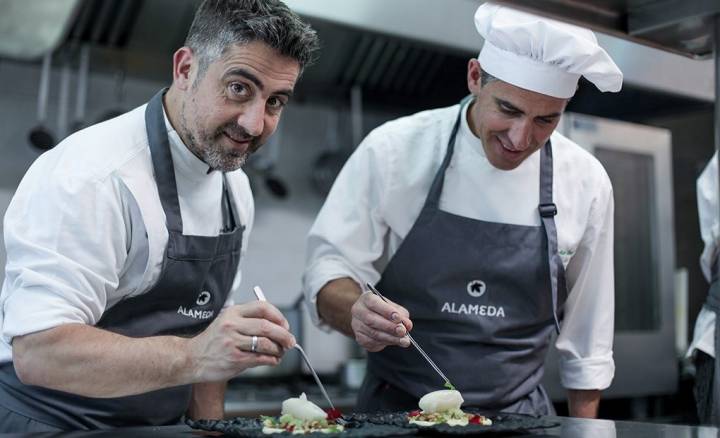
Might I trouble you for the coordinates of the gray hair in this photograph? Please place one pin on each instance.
(486, 78)
(220, 24)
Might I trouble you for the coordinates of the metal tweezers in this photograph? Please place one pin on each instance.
(415, 344)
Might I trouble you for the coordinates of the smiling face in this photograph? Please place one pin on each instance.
(231, 109)
(511, 122)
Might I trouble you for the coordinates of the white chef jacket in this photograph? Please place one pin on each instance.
(707, 199)
(379, 193)
(86, 227)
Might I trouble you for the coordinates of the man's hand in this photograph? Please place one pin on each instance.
(583, 403)
(377, 324)
(224, 349)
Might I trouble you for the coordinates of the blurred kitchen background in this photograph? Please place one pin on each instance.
(380, 60)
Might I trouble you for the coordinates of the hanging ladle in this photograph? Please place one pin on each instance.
(40, 135)
(81, 97)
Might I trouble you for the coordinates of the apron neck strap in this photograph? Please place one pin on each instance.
(548, 210)
(433, 197)
(162, 161)
(228, 212)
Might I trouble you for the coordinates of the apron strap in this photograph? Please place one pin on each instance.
(548, 210)
(162, 161)
(433, 198)
(228, 214)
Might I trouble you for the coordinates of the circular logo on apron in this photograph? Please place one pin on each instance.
(203, 298)
(476, 288)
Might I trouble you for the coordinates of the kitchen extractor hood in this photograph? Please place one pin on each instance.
(649, 65)
(681, 26)
(404, 53)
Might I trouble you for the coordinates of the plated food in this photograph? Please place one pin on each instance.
(443, 407)
(301, 416)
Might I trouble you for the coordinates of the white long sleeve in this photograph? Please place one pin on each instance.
(707, 199)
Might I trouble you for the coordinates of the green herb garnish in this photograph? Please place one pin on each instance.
(449, 386)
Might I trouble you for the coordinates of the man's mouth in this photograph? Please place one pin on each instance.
(243, 143)
(238, 140)
(507, 148)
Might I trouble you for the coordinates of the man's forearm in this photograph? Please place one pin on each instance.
(583, 403)
(88, 361)
(208, 401)
(335, 301)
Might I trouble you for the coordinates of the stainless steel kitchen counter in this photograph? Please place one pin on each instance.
(569, 428)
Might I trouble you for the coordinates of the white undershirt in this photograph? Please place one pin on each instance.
(380, 191)
(86, 227)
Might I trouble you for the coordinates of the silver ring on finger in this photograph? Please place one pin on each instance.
(253, 346)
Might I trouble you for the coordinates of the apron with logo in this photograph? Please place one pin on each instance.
(195, 281)
(483, 298)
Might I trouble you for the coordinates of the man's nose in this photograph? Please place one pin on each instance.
(252, 118)
(521, 134)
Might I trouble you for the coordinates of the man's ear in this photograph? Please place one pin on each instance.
(474, 75)
(184, 69)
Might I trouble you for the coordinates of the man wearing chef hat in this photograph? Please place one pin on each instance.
(498, 231)
(124, 241)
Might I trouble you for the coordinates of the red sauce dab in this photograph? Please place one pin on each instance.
(413, 413)
(475, 419)
(333, 413)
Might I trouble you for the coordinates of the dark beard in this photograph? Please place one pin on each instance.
(211, 152)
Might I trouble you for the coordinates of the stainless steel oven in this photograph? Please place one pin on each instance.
(638, 160)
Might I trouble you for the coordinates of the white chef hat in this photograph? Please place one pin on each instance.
(540, 54)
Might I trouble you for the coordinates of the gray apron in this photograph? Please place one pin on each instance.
(195, 281)
(713, 303)
(483, 298)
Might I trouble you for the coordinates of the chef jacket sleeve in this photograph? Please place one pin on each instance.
(348, 233)
(66, 240)
(586, 338)
(707, 198)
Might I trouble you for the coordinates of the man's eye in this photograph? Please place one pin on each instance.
(275, 103)
(543, 121)
(238, 89)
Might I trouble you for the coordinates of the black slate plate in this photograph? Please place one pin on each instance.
(502, 423)
(252, 427)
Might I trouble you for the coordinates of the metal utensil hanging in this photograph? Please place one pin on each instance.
(273, 182)
(40, 136)
(82, 88)
(356, 114)
(64, 98)
(119, 98)
(329, 163)
(264, 163)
